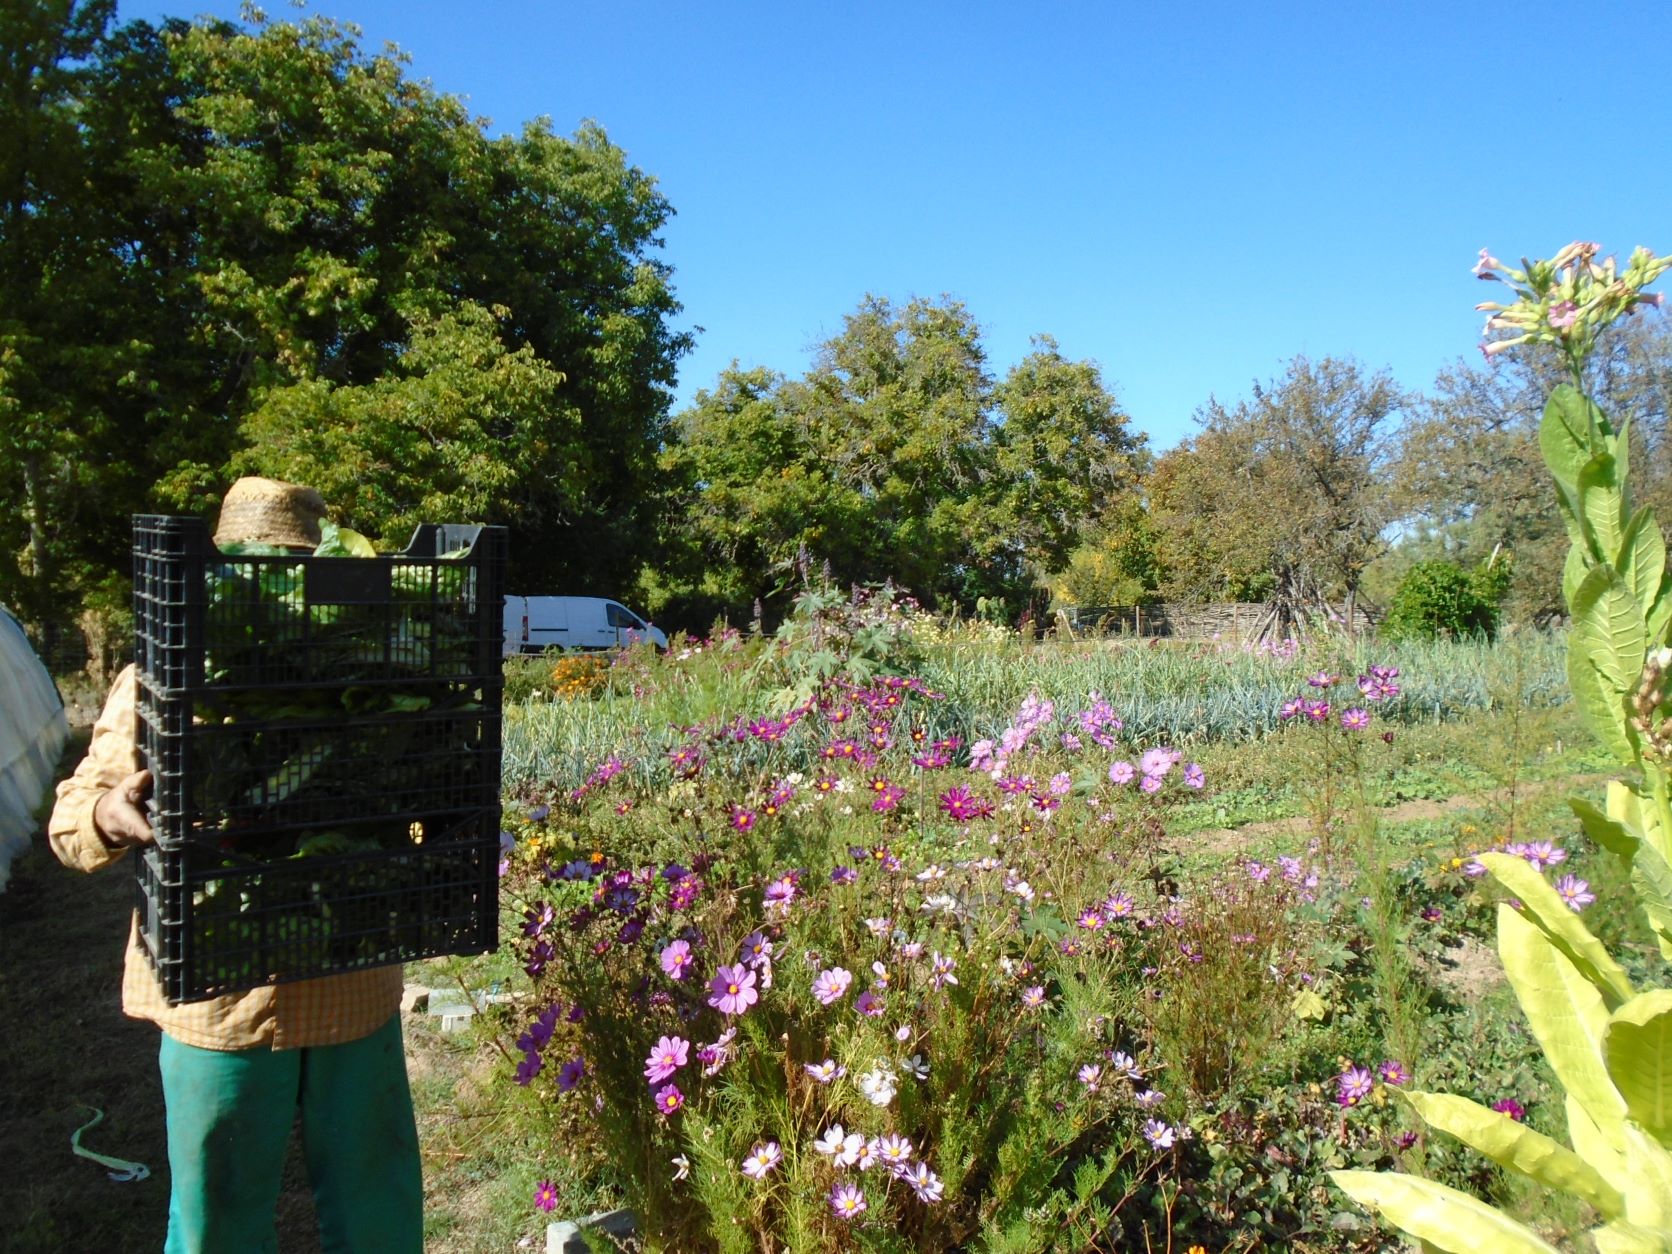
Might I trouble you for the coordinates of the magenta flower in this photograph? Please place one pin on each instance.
(1150, 784)
(943, 969)
(742, 819)
(545, 1196)
(757, 950)
(1061, 783)
(1121, 772)
(1317, 711)
(1575, 892)
(847, 1201)
(714, 1057)
(1323, 679)
(1355, 719)
(1509, 1106)
(668, 1100)
(1117, 905)
(1033, 996)
(1353, 1085)
(830, 985)
(732, 990)
(668, 1056)
(1544, 853)
(676, 957)
(1193, 776)
(1393, 1072)
(1292, 707)
(1157, 761)
(1090, 920)
(887, 798)
(762, 1159)
(869, 1004)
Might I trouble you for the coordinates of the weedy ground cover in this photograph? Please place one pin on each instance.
(814, 983)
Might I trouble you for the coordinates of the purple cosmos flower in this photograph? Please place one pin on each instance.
(1150, 784)
(676, 957)
(1355, 719)
(893, 1151)
(844, 875)
(925, 1183)
(1124, 1065)
(1544, 853)
(1317, 711)
(1323, 679)
(668, 1057)
(1033, 996)
(889, 796)
(732, 990)
(870, 1005)
(1160, 1135)
(1393, 1072)
(1061, 783)
(1474, 868)
(1157, 761)
(742, 819)
(830, 985)
(715, 1056)
(571, 1074)
(1353, 1085)
(757, 950)
(1575, 892)
(846, 1201)
(1150, 1099)
(1090, 1075)
(826, 1071)
(1432, 914)
(668, 1100)
(1259, 872)
(1117, 905)
(762, 1159)
(1293, 707)
(1509, 1106)
(1193, 776)
(1090, 920)
(528, 1068)
(943, 969)
(545, 1196)
(1121, 772)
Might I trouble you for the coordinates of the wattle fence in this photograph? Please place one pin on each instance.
(1222, 620)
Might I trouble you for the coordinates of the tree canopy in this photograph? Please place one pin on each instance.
(258, 249)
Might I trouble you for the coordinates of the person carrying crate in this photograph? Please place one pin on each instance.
(237, 1068)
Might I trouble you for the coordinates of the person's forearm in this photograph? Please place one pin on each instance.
(112, 756)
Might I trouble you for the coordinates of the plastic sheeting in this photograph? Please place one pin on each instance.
(33, 731)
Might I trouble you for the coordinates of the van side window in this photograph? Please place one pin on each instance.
(619, 617)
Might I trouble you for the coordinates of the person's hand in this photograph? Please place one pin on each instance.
(118, 814)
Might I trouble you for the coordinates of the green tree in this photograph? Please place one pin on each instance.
(1287, 494)
(257, 248)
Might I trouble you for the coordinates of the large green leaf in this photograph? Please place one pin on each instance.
(1444, 1217)
(1642, 559)
(1621, 1237)
(1566, 1014)
(1552, 916)
(1602, 506)
(1565, 434)
(1606, 648)
(1574, 570)
(1651, 879)
(1638, 1051)
(1516, 1146)
(1647, 1187)
(1591, 1145)
(1611, 834)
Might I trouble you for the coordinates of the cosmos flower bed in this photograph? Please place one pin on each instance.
(941, 991)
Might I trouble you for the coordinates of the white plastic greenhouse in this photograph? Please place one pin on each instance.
(33, 730)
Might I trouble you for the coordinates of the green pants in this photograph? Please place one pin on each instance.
(229, 1120)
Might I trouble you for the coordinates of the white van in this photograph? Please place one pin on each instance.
(533, 624)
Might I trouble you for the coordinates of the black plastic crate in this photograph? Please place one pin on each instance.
(324, 739)
(227, 780)
(210, 929)
(207, 619)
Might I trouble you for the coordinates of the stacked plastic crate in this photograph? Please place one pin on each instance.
(324, 734)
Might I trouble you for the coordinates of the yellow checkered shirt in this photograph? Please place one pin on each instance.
(283, 1016)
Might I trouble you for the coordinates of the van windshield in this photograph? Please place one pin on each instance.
(621, 617)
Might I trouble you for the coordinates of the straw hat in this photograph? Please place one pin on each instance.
(270, 511)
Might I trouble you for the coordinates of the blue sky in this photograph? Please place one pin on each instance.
(1188, 194)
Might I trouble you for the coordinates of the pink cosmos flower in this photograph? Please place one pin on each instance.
(1150, 784)
(668, 1056)
(714, 1057)
(1355, 719)
(1160, 1135)
(742, 819)
(925, 1183)
(669, 1100)
(1575, 892)
(1193, 776)
(893, 1150)
(1033, 996)
(826, 1071)
(732, 990)
(1353, 1085)
(943, 968)
(1121, 772)
(847, 1201)
(762, 1159)
(545, 1196)
(1393, 1072)
(870, 1005)
(675, 958)
(830, 985)
(1090, 1075)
